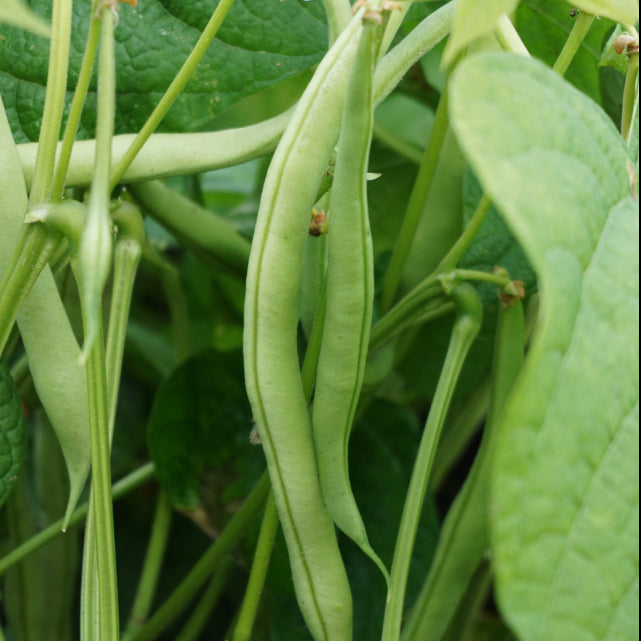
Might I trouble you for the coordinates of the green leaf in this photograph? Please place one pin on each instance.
(11, 433)
(259, 44)
(565, 481)
(493, 245)
(199, 434)
(16, 13)
(625, 11)
(474, 18)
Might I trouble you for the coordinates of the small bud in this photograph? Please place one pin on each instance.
(626, 43)
(319, 224)
(511, 292)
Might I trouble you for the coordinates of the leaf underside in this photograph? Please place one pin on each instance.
(564, 507)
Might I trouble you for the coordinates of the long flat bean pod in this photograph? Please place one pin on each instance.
(272, 373)
(349, 302)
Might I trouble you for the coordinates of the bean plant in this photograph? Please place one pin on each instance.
(318, 320)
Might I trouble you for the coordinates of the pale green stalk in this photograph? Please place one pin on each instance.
(415, 206)
(174, 89)
(509, 38)
(630, 91)
(396, 144)
(99, 596)
(54, 101)
(75, 111)
(190, 585)
(459, 248)
(466, 327)
(118, 490)
(151, 568)
(35, 243)
(580, 29)
(260, 565)
(192, 629)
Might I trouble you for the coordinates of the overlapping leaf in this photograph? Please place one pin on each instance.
(565, 482)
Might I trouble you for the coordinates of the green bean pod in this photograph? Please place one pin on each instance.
(349, 303)
(272, 373)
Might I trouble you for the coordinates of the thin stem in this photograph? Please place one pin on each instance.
(152, 565)
(34, 247)
(580, 29)
(455, 254)
(485, 277)
(178, 311)
(415, 206)
(310, 362)
(75, 111)
(54, 101)
(630, 90)
(263, 553)
(102, 523)
(174, 89)
(464, 332)
(198, 618)
(173, 606)
(426, 300)
(119, 489)
(509, 38)
(400, 146)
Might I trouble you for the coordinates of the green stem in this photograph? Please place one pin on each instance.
(630, 90)
(310, 363)
(102, 523)
(466, 327)
(34, 247)
(400, 146)
(54, 101)
(192, 629)
(75, 111)
(179, 598)
(249, 608)
(178, 311)
(152, 565)
(201, 230)
(415, 206)
(509, 38)
(174, 89)
(484, 277)
(427, 295)
(127, 255)
(455, 254)
(118, 490)
(462, 425)
(580, 29)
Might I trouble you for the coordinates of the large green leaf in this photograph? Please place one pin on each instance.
(565, 482)
(259, 44)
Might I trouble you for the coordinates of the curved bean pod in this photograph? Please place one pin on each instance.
(349, 302)
(49, 341)
(272, 372)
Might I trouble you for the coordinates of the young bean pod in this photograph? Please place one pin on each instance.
(349, 301)
(272, 372)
